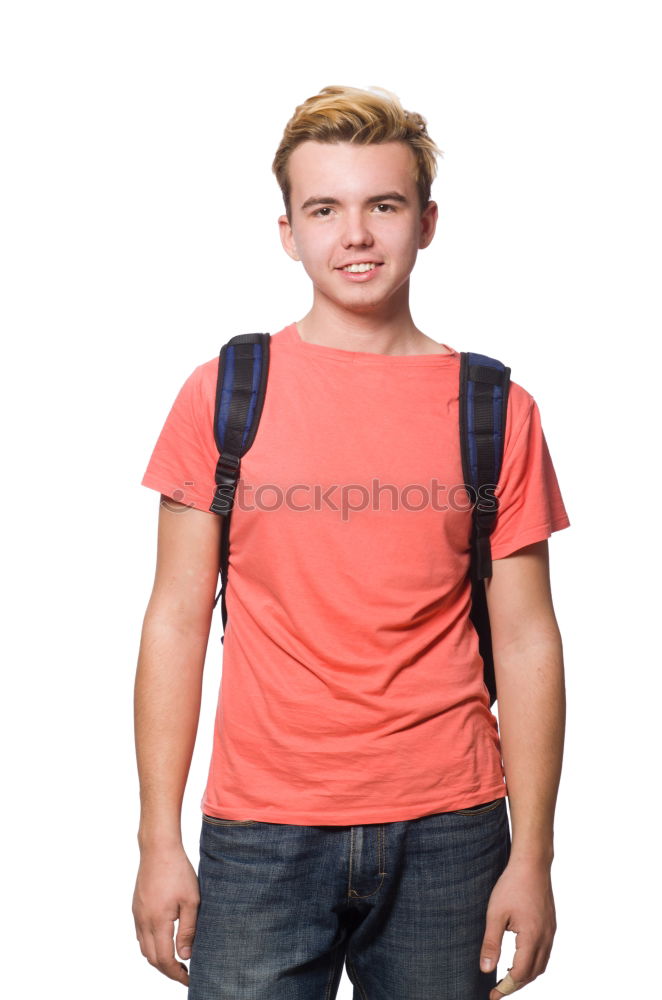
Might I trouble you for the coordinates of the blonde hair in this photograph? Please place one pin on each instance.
(348, 114)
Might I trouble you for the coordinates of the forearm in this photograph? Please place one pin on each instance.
(167, 700)
(532, 707)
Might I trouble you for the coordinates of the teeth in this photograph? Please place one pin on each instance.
(359, 268)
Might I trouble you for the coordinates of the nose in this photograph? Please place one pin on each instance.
(356, 231)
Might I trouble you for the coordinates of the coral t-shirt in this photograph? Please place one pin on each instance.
(352, 687)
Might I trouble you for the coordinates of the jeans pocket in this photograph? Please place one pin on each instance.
(478, 810)
(216, 821)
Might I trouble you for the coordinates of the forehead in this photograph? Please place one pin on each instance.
(347, 169)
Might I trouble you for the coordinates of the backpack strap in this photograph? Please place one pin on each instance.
(484, 387)
(243, 366)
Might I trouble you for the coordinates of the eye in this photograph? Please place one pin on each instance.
(327, 208)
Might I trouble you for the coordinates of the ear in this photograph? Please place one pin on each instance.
(429, 218)
(287, 237)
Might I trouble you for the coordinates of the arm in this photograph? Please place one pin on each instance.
(528, 664)
(167, 700)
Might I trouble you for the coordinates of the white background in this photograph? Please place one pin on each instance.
(138, 228)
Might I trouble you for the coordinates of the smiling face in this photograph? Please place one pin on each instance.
(356, 203)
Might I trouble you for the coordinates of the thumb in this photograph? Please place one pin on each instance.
(186, 930)
(491, 947)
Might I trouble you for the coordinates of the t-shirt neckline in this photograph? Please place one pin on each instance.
(366, 357)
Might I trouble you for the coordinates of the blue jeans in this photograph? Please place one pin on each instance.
(283, 908)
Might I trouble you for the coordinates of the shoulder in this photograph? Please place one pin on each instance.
(521, 411)
(520, 401)
(200, 386)
(195, 401)
(520, 404)
(205, 374)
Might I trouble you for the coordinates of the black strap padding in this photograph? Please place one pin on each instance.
(235, 429)
(477, 409)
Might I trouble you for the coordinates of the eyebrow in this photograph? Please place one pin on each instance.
(324, 200)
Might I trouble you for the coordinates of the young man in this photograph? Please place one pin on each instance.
(354, 813)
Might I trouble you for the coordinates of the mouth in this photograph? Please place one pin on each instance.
(364, 265)
(360, 272)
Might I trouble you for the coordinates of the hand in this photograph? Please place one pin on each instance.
(167, 889)
(522, 901)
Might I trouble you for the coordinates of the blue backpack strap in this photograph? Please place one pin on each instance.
(243, 367)
(484, 388)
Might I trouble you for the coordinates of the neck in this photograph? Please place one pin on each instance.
(378, 333)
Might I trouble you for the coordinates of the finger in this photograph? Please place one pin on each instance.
(524, 962)
(524, 971)
(147, 946)
(514, 979)
(165, 953)
(505, 986)
(186, 929)
(144, 936)
(490, 949)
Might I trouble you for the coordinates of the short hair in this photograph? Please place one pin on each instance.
(349, 114)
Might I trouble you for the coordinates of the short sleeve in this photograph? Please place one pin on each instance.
(184, 459)
(530, 503)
